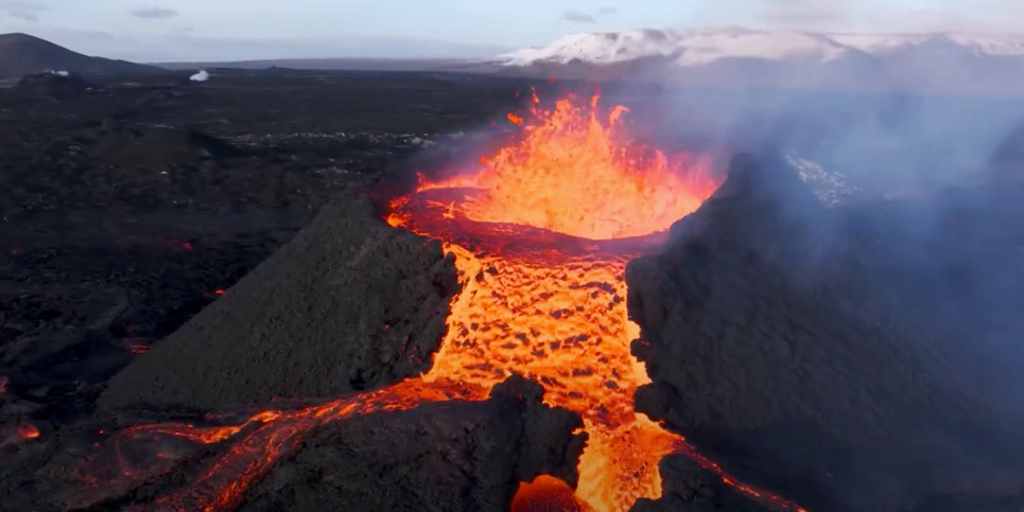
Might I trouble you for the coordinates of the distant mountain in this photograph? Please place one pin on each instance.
(938, 62)
(325, 64)
(22, 54)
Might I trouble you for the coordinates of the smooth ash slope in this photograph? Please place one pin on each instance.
(349, 304)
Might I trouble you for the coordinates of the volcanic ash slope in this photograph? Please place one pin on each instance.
(349, 304)
(804, 349)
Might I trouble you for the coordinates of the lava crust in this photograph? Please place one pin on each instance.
(300, 324)
(692, 488)
(449, 455)
(436, 457)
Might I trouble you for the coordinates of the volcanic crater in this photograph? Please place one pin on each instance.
(539, 238)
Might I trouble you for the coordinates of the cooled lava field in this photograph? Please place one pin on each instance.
(363, 291)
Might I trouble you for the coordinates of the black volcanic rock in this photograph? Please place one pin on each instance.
(22, 54)
(844, 357)
(159, 146)
(308, 322)
(453, 456)
(55, 85)
(691, 488)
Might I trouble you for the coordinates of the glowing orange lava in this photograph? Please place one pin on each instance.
(541, 237)
(577, 174)
(556, 311)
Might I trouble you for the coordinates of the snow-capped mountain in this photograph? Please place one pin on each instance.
(789, 57)
(694, 47)
(1006, 45)
(685, 48)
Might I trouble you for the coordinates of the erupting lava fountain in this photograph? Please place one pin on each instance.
(541, 236)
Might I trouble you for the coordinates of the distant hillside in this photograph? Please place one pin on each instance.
(22, 54)
(340, 64)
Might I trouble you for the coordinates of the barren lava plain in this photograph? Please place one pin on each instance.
(421, 291)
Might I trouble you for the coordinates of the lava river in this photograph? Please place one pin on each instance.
(541, 234)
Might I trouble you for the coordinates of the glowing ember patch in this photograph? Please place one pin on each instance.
(28, 431)
(137, 346)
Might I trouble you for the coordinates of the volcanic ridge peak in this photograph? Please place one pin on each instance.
(768, 348)
(768, 186)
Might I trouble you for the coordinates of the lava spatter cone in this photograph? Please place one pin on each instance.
(540, 236)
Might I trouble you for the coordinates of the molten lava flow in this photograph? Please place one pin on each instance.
(549, 303)
(265, 438)
(560, 320)
(541, 236)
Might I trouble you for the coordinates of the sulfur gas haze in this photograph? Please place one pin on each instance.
(892, 143)
(944, 171)
(930, 253)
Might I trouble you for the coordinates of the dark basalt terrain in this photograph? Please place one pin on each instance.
(186, 252)
(129, 208)
(131, 204)
(859, 358)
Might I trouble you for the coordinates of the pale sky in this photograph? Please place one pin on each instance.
(245, 29)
